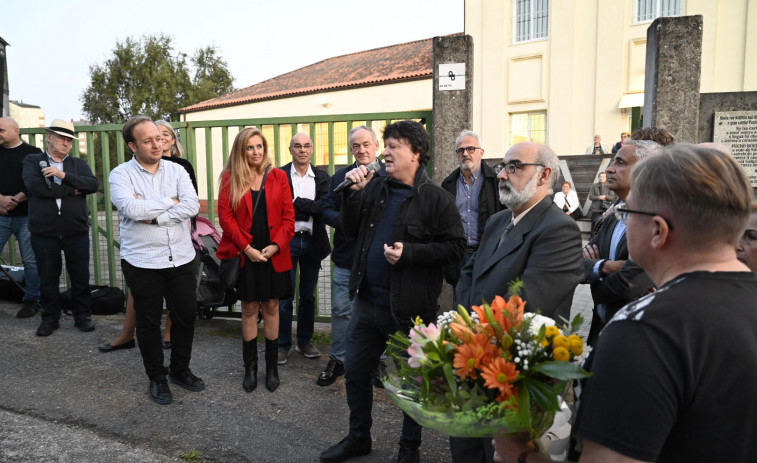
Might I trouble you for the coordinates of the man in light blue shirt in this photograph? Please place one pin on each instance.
(156, 201)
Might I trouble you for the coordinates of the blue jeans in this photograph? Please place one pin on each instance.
(301, 248)
(18, 226)
(341, 311)
(368, 332)
(49, 261)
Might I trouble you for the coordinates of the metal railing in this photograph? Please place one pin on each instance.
(207, 145)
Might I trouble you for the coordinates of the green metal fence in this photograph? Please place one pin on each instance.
(206, 145)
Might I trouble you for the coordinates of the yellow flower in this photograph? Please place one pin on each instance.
(576, 344)
(561, 354)
(544, 342)
(561, 341)
(552, 331)
(418, 321)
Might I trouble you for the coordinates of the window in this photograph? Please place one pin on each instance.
(649, 10)
(531, 20)
(528, 127)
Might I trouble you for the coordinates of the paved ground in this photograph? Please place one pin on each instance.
(61, 400)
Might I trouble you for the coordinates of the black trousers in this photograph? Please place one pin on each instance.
(177, 285)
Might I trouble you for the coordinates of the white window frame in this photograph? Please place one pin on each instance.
(533, 16)
(529, 115)
(656, 6)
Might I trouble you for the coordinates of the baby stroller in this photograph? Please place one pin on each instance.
(210, 292)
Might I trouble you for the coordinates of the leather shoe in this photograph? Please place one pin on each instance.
(346, 448)
(124, 345)
(408, 455)
(334, 369)
(187, 380)
(159, 391)
(47, 328)
(85, 325)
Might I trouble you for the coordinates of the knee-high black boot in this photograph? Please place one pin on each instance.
(250, 358)
(271, 367)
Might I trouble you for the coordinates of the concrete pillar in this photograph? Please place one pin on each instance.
(452, 114)
(673, 72)
(452, 108)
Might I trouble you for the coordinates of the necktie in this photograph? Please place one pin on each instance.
(504, 234)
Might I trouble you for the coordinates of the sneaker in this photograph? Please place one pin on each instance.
(308, 350)
(29, 309)
(407, 455)
(379, 374)
(283, 356)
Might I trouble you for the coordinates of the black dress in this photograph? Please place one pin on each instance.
(259, 281)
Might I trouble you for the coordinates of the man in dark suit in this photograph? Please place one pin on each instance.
(534, 240)
(309, 247)
(615, 281)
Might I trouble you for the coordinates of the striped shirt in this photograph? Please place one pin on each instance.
(140, 196)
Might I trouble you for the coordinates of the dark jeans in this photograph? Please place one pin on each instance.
(149, 287)
(47, 251)
(367, 335)
(301, 248)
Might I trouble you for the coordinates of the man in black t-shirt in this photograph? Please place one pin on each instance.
(675, 372)
(14, 209)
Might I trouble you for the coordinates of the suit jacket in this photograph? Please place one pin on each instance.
(543, 250)
(236, 224)
(619, 288)
(305, 208)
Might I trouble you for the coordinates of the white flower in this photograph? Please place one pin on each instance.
(537, 321)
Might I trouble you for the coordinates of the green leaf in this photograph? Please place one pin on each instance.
(543, 395)
(449, 375)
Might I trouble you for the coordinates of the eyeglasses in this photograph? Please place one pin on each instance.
(469, 149)
(297, 146)
(511, 167)
(622, 212)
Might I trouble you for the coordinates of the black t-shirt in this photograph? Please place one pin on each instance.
(675, 373)
(11, 167)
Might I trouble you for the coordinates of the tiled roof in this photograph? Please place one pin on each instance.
(405, 61)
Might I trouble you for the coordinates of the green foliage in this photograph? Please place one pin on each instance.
(193, 455)
(148, 77)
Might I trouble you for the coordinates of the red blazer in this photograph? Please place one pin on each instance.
(236, 224)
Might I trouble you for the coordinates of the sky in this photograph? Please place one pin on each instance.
(53, 43)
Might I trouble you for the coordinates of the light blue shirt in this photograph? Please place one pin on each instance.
(466, 201)
(139, 196)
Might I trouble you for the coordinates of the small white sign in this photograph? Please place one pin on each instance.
(452, 76)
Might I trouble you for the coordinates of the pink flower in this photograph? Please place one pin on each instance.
(417, 356)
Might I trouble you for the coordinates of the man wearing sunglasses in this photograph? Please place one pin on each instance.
(475, 187)
(534, 240)
(615, 280)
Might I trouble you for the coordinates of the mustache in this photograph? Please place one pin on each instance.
(505, 185)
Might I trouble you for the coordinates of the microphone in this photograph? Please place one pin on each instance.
(42, 165)
(374, 166)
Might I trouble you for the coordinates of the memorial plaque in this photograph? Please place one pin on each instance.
(738, 131)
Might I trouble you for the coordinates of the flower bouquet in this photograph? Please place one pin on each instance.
(495, 371)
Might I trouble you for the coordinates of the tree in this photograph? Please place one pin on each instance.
(148, 77)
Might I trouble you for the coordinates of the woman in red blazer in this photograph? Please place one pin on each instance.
(262, 238)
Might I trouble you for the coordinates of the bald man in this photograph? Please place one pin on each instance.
(14, 210)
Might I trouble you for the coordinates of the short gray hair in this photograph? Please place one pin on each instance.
(467, 133)
(547, 156)
(361, 127)
(644, 148)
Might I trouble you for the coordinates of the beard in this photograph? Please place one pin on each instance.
(513, 198)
